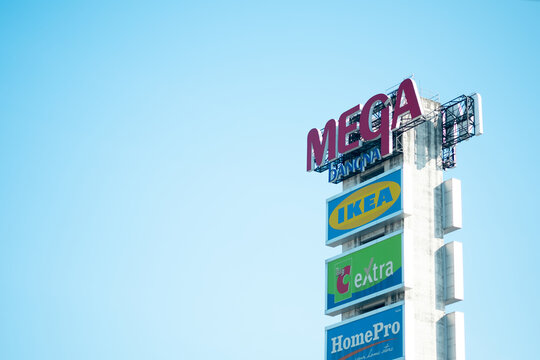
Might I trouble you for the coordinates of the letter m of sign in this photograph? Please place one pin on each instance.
(319, 145)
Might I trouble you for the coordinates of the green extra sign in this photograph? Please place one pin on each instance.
(361, 274)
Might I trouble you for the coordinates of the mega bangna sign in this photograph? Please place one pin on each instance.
(325, 147)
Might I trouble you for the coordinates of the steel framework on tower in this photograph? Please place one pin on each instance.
(458, 123)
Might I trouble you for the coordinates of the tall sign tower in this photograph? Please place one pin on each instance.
(396, 275)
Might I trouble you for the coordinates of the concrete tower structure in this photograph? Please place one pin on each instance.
(396, 275)
(423, 228)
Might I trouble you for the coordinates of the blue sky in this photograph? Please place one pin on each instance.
(153, 195)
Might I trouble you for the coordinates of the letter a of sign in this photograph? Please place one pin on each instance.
(407, 101)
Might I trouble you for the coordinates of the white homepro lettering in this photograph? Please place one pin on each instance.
(379, 329)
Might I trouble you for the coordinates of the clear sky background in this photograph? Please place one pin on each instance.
(154, 202)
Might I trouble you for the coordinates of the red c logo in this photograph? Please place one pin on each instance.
(341, 287)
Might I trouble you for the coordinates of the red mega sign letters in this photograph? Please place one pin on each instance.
(333, 141)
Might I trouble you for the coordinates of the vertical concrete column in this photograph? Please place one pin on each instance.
(423, 175)
(423, 229)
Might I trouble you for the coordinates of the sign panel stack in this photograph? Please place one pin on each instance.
(396, 274)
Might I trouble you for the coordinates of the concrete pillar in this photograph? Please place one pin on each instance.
(423, 233)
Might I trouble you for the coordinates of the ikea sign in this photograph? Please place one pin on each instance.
(369, 203)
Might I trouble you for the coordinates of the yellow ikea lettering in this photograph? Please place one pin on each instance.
(364, 205)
